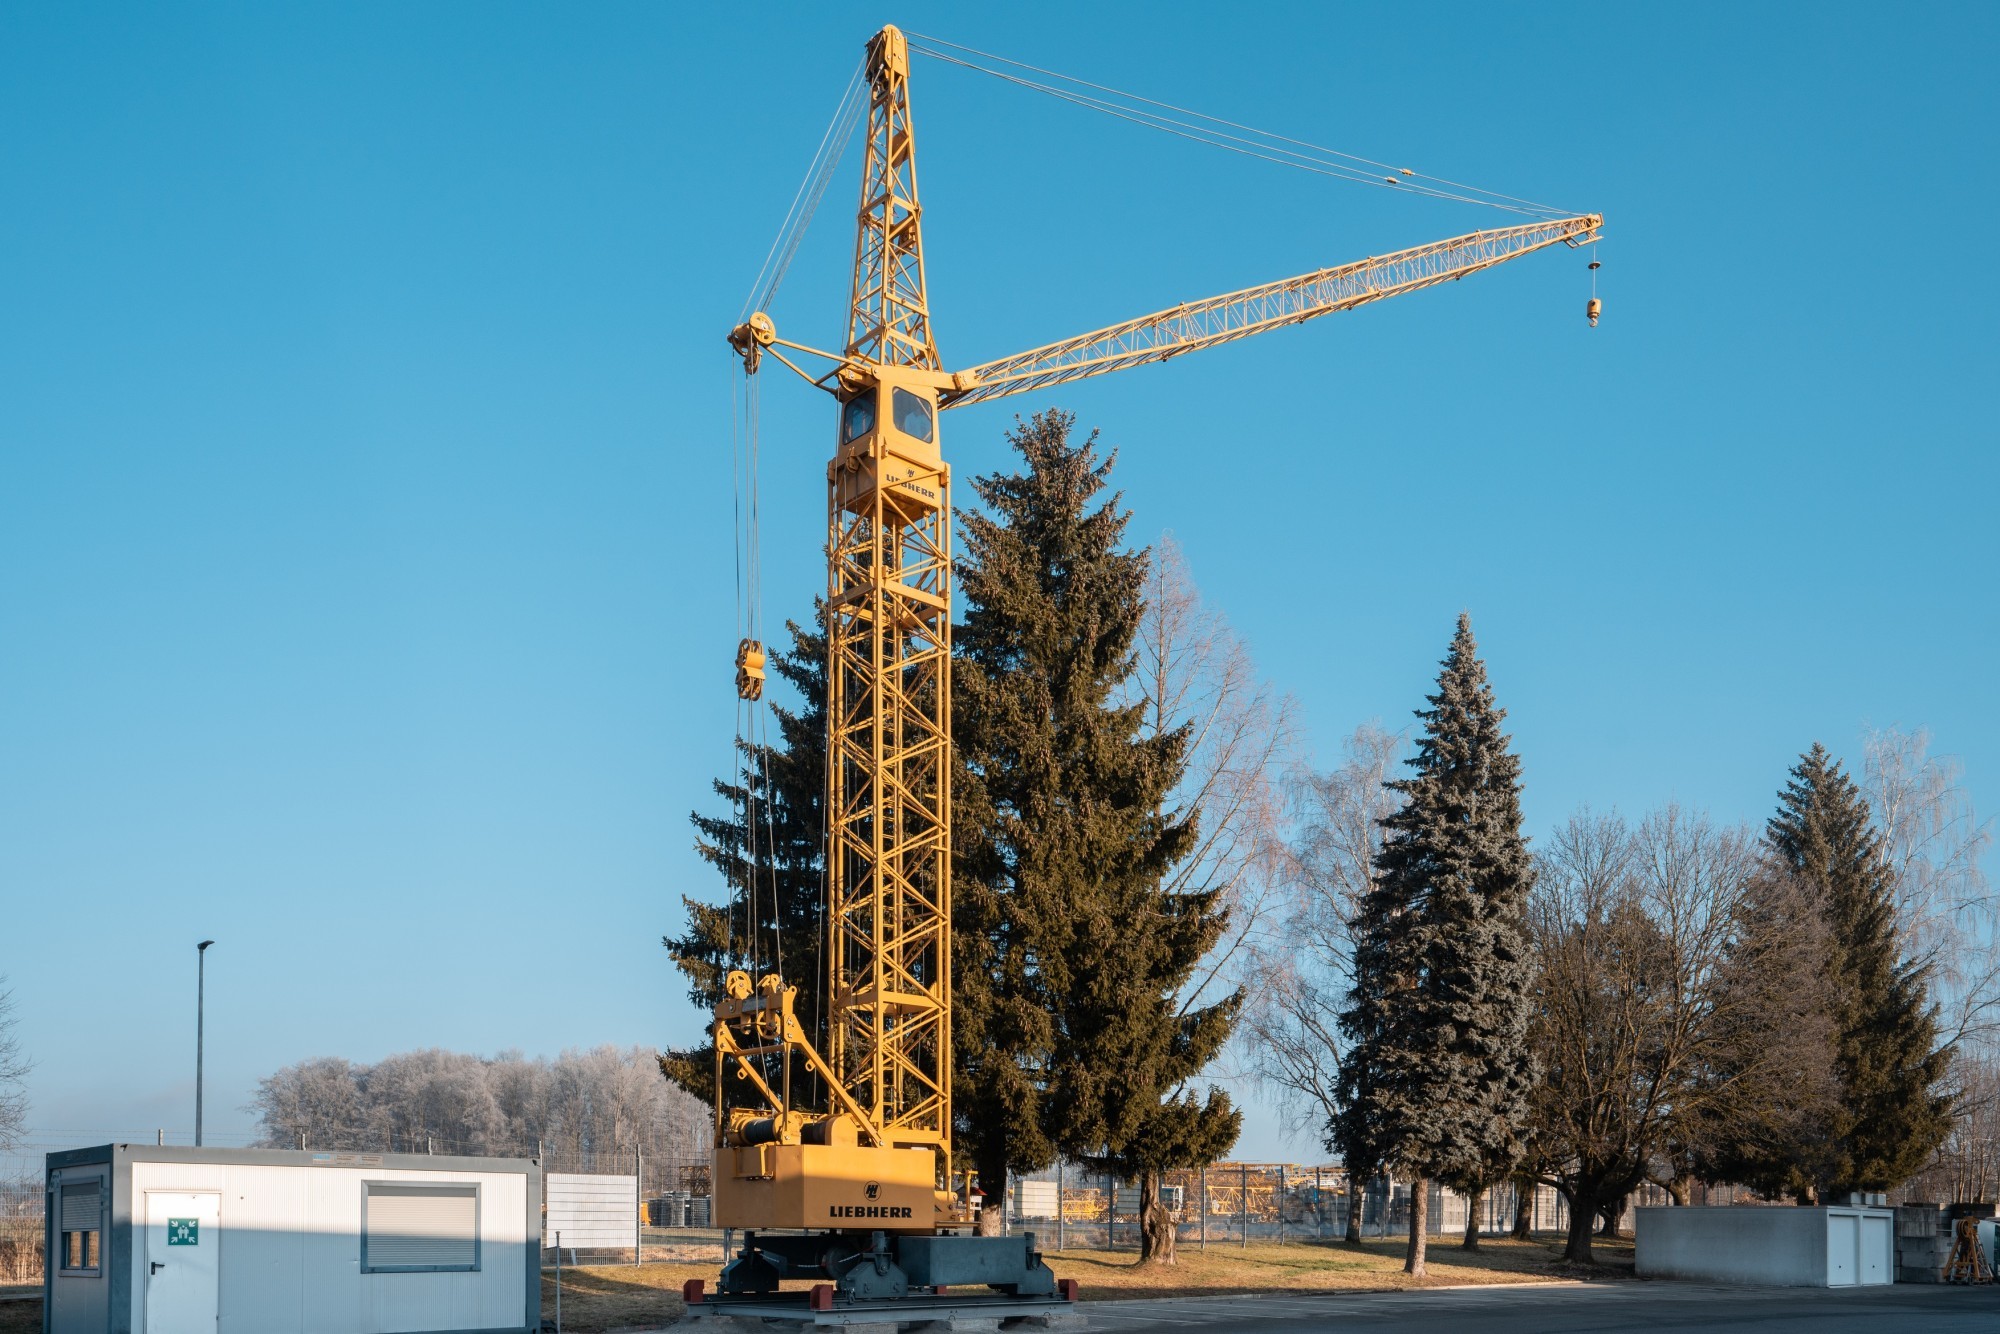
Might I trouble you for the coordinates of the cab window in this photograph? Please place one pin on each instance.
(858, 417)
(913, 415)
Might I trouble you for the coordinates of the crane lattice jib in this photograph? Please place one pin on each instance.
(1223, 319)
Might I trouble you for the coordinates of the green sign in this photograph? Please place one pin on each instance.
(183, 1232)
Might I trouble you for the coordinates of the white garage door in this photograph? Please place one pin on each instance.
(1843, 1245)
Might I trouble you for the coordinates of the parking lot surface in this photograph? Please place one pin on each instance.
(1573, 1308)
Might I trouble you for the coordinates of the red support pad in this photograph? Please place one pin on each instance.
(1066, 1289)
(691, 1291)
(821, 1297)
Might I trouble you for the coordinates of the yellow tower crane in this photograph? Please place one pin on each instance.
(862, 1189)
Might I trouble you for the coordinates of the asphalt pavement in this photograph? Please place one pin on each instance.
(1573, 1308)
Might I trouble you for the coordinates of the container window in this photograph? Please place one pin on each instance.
(913, 415)
(82, 1227)
(407, 1228)
(858, 417)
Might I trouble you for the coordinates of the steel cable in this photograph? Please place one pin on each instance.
(1265, 144)
(805, 202)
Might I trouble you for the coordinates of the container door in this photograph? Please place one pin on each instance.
(1878, 1248)
(1843, 1246)
(183, 1246)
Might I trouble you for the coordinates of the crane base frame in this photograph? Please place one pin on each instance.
(868, 1268)
(926, 1311)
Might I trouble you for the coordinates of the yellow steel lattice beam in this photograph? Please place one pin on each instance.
(1194, 325)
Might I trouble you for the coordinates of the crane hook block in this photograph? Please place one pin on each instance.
(1594, 309)
(750, 669)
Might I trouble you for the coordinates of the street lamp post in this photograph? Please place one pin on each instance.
(200, 1000)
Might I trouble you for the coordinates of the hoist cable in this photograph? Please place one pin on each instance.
(736, 553)
(1263, 145)
(832, 145)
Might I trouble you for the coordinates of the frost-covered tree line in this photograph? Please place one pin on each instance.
(585, 1110)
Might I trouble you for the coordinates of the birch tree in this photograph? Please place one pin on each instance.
(1303, 958)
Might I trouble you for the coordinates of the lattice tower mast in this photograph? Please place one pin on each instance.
(889, 661)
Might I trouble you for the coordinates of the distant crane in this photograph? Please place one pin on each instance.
(867, 1179)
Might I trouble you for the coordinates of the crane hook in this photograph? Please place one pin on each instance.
(1595, 307)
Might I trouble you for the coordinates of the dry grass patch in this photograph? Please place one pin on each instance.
(1374, 1266)
(598, 1298)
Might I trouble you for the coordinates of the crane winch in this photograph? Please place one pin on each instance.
(861, 1188)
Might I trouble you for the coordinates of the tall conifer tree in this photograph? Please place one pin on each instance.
(1439, 1068)
(1891, 1115)
(788, 780)
(1071, 1035)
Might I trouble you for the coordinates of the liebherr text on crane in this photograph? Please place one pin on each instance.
(860, 1187)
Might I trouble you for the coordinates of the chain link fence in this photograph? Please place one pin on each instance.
(1237, 1204)
(21, 1232)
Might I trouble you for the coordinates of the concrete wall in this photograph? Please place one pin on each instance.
(1777, 1245)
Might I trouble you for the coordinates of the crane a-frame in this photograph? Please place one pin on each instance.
(866, 1177)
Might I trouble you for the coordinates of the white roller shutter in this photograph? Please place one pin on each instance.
(82, 1208)
(411, 1227)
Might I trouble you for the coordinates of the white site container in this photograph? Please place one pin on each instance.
(1823, 1247)
(152, 1240)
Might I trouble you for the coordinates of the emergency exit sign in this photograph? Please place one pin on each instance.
(183, 1232)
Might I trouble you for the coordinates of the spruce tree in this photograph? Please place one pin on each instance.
(1891, 1115)
(1439, 1068)
(788, 782)
(1073, 953)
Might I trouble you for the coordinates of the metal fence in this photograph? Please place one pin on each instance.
(1237, 1204)
(21, 1234)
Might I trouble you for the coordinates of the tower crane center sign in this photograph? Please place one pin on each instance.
(183, 1232)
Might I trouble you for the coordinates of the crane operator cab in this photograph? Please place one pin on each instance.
(888, 441)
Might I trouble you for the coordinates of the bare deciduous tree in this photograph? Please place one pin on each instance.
(584, 1105)
(1192, 670)
(1678, 1004)
(1966, 1168)
(1935, 843)
(1304, 956)
(14, 1069)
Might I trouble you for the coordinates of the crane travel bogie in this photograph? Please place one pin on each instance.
(858, 1183)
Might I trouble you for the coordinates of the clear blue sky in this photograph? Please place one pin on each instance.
(366, 599)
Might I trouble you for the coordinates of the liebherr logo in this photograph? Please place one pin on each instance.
(873, 1190)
